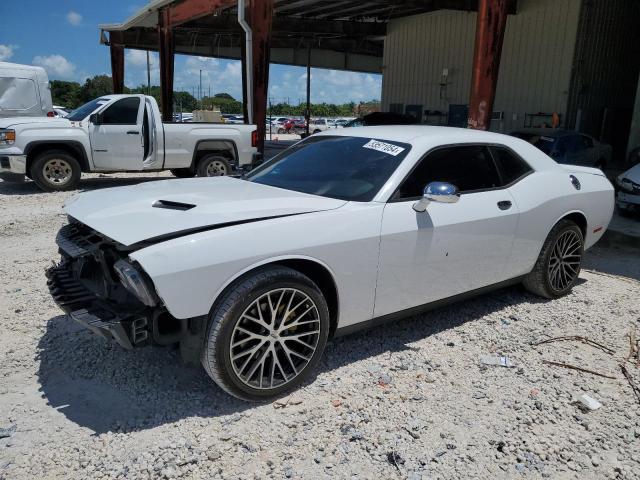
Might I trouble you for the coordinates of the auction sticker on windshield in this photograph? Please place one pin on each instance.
(383, 147)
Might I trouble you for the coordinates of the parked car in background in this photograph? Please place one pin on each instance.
(320, 125)
(24, 91)
(343, 230)
(568, 147)
(118, 133)
(628, 196)
(382, 118)
(235, 119)
(60, 112)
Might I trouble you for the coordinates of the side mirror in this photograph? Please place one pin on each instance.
(96, 118)
(441, 192)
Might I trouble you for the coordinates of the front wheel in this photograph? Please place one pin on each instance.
(266, 335)
(213, 166)
(55, 170)
(558, 265)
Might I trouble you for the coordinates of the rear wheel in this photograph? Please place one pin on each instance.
(213, 166)
(55, 170)
(559, 262)
(281, 131)
(267, 334)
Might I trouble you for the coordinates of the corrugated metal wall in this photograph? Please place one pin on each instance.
(535, 69)
(606, 65)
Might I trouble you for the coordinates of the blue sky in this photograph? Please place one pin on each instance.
(62, 36)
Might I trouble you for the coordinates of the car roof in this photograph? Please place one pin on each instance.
(412, 133)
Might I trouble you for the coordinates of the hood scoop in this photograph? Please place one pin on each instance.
(169, 205)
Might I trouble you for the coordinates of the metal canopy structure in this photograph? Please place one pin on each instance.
(336, 34)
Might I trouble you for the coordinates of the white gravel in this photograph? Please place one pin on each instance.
(409, 400)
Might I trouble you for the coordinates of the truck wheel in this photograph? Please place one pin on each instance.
(55, 170)
(266, 335)
(183, 172)
(281, 131)
(559, 262)
(213, 166)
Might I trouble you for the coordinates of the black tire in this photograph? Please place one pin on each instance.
(316, 131)
(183, 172)
(55, 170)
(541, 279)
(227, 314)
(281, 131)
(213, 166)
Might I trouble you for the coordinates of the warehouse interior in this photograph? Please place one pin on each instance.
(494, 64)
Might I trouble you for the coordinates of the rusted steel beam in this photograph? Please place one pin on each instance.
(490, 27)
(117, 67)
(188, 10)
(166, 49)
(260, 16)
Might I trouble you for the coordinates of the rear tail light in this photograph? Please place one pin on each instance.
(51, 114)
(254, 138)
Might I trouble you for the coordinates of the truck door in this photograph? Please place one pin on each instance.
(117, 140)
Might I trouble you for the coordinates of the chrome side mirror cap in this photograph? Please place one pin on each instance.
(441, 192)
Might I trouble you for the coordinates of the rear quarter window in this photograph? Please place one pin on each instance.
(512, 167)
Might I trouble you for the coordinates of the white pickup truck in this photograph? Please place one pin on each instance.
(119, 133)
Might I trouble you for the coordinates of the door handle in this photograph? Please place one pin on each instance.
(133, 132)
(504, 205)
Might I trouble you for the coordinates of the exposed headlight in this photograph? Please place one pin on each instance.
(627, 185)
(7, 137)
(136, 282)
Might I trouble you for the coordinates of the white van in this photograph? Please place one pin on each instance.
(24, 91)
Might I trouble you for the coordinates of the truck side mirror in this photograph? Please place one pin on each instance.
(96, 118)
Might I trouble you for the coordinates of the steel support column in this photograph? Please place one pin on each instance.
(307, 115)
(260, 16)
(117, 66)
(165, 38)
(243, 61)
(490, 26)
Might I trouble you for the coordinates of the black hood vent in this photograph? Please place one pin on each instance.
(169, 205)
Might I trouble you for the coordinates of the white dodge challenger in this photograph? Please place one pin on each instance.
(343, 230)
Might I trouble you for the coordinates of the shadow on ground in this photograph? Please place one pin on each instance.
(86, 184)
(98, 385)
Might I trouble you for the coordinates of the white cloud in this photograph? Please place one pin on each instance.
(74, 18)
(6, 52)
(56, 66)
(331, 86)
(138, 58)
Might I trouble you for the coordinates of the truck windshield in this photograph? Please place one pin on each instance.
(348, 168)
(85, 110)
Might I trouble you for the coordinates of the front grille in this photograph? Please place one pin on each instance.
(67, 292)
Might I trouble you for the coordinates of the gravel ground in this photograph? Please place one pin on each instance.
(410, 400)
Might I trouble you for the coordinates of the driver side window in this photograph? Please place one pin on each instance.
(122, 112)
(469, 168)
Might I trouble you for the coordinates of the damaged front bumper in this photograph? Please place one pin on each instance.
(84, 307)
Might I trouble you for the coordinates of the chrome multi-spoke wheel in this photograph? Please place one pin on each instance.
(558, 265)
(267, 333)
(564, 262)
(275, 338)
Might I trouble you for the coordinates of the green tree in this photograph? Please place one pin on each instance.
(66, 94)
(96, 87)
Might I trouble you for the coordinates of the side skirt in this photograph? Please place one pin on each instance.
(410, 312)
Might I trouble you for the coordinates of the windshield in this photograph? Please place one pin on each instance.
(348, 168)
(85, 110)
(542, 142)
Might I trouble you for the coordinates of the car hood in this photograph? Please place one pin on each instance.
(155, 211)
(9, 122)
(632, 174)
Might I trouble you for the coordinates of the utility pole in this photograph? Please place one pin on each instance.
(148, 74)
(200, 90)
